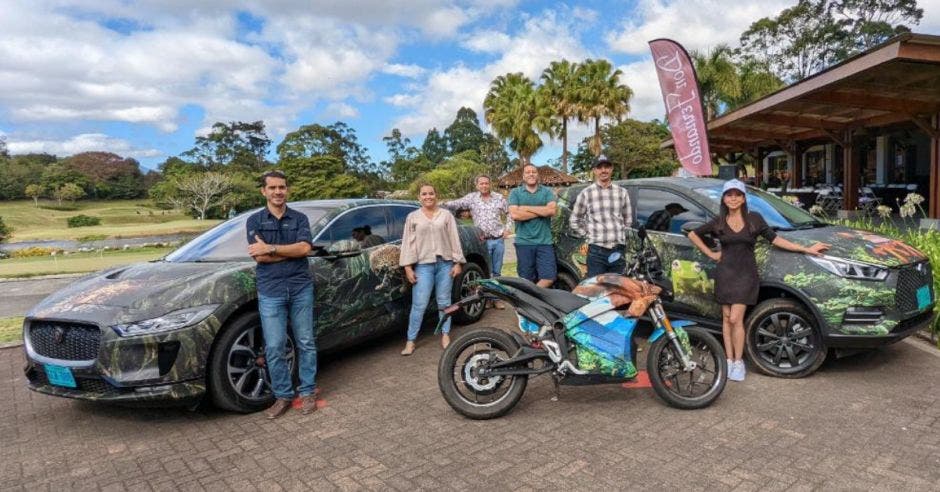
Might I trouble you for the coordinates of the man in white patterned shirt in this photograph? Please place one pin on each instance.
(487, 210)
(602, 215)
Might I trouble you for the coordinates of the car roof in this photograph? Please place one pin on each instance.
(346, 202)
(676, 182)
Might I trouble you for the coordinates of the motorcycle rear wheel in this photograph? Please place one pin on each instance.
(472, 396)
(688, 390)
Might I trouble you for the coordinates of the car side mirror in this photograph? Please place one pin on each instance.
(344, 247)
(691, 226)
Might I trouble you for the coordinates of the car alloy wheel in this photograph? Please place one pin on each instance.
(247, 370)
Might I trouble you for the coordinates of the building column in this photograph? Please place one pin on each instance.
(934, 206)
(881, 162)
(830, 158)
(850, 172)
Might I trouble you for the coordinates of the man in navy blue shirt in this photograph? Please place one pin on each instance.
(279, 240)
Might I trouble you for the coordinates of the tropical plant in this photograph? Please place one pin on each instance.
(517, 112)
(718, 79)
(600, 95)
(559, 87)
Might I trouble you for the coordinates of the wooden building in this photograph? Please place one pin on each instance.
(872, 120)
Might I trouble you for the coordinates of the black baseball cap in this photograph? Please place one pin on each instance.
(602, 159)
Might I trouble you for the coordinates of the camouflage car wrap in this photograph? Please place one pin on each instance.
(892, 306)
(358, 294)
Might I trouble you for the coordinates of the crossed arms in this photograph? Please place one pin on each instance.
(523, 213)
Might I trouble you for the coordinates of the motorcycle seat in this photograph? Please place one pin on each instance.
(561, 300)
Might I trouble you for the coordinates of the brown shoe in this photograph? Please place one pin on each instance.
(308, 403)
(445, 340)
(280, 407)
(409, 348)
(499, 305)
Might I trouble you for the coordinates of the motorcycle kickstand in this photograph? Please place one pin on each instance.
(557, 393)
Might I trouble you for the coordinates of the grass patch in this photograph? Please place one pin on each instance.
(119, 218)
(77, 263)
(509, 270)
(11, 329)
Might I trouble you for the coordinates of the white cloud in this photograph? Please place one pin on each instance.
(341, 110)
(85, 142)
(930, 24)
(410, 71)
(542, 39)
(647, 101)
(487, 41)
(696, 24)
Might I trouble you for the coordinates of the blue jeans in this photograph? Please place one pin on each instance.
(496, 248)
(598, 260)
(431, 276)
(274, 315)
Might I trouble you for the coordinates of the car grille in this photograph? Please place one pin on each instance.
(64, 341)
(909, 280)
(85, 385)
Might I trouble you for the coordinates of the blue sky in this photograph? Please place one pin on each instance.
(144, 78)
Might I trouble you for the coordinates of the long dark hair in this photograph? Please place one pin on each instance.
(723, 214)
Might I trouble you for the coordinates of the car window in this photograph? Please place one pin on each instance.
(775, 211)
(226, 241)
(397, 215)
(665, 211)
(369, 219)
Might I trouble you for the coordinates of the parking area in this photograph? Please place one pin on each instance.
(867, 421)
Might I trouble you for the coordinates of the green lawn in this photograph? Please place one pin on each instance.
(119, 218)
(11, 329)
(77, 262)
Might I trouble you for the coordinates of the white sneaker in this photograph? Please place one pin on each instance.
(737, 371)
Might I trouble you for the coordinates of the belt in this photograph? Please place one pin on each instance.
(490, 238)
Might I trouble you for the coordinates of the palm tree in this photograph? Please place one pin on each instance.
(756, 82)
(600, 95)
(726, 85)
(559, 86)
(718, 79)
(517, 112)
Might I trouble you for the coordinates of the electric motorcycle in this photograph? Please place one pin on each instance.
(580, 338)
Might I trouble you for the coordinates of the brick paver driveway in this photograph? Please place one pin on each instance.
(870, 421)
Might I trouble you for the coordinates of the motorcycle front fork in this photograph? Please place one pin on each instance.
(660, 320)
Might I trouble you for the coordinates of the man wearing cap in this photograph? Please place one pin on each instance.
(602, 214)
(661, 219)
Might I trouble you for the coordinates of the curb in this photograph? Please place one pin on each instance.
(44, 277)
(10, 345)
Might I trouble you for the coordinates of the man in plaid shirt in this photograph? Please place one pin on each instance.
(602, 214)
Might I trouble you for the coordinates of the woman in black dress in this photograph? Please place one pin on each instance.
(736, 282)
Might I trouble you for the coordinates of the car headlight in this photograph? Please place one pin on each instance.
(850, 269)
(167, 322)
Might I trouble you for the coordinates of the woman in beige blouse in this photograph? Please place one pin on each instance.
(431, 255)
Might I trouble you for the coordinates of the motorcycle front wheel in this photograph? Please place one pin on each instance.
(688, 389)
(464, 389)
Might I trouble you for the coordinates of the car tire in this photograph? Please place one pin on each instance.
(463, 287)
(783, 339)
(565, 281)
(237, 381)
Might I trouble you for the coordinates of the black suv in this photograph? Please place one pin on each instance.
(866, 292)
(187, 326)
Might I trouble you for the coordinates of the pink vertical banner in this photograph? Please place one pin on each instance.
(683, 102)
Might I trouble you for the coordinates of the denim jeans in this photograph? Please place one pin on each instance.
(431, 276)
(598, 260)
(496, 248)
(274, 315)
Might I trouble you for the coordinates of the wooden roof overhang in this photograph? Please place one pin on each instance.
(897, 81)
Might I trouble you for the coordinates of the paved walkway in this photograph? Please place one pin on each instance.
(866, 422)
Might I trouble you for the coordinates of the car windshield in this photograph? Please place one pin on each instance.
(779, 214)
(226, 241)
